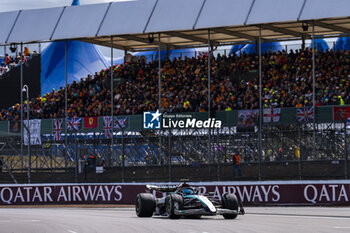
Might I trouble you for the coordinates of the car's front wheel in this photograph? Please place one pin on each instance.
(173, 202)
(229, 201)
(145, 205)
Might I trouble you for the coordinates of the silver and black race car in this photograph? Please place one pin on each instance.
(185, 200)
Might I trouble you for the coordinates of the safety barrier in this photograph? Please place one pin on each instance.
(334, 192)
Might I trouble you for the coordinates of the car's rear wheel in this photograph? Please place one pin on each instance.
(229, 201)
(173, 202)
(145, 205)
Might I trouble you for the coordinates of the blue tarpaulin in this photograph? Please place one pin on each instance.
(75, 3)
(265, 47)
(321, 45)
(82, 59)
(237, 48)
(176, 53)
(342, 43)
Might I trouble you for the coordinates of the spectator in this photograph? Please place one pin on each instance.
(287, 82)
(26, 52)
(10, 62)
(236, 165)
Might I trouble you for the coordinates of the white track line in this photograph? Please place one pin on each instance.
(1, 221)
(300, 216)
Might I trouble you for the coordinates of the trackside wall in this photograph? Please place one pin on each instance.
(331, 192)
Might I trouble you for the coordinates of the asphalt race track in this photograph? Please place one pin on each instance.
(124, 220)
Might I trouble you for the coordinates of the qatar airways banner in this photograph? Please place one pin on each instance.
(251, 193)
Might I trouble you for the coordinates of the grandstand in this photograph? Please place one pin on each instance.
(286, 83)
(310, 88)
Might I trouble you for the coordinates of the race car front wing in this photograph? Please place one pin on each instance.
(206, 211)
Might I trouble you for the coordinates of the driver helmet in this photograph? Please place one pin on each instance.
(188, 191)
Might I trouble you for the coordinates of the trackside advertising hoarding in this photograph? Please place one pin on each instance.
(158, 120)
(251, 193)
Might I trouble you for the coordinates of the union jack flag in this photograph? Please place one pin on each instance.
(57, 128)
(75, 122)
(122, 121)
(305, 114)
(107, 126)
(204, 54)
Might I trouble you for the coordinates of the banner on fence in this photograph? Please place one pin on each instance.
(73, 123)
(14, 126)
(341, 113)
(35, 131)
(123, 122)
(90, 122)
(107, 126)
(272, 115)
(248, 118)
(305, 115)
(250, 193)
(57, 129)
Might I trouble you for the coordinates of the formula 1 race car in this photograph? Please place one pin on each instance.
(185, 200)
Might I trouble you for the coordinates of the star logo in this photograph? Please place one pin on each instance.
(156, 115)
(152, 120)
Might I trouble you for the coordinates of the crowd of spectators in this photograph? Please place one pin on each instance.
(286, 77)
(9, 62)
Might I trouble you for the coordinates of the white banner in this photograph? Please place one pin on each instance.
(35, 130)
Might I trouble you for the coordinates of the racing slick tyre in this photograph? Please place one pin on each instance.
(173, 202)
(229, 201)
(145, 205)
